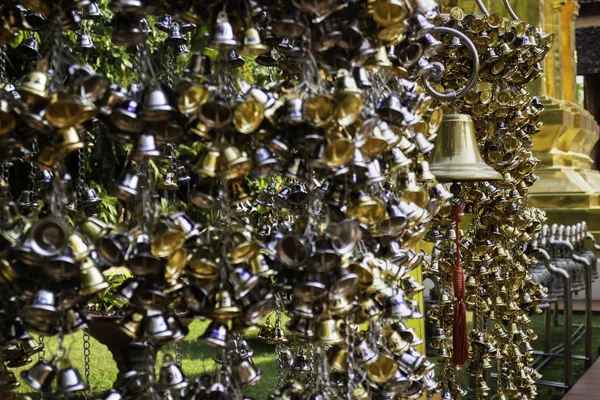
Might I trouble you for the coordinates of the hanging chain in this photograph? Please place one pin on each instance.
(42, 353)
(5, 170)
(178, 357)
(81, 165)
(86, 359)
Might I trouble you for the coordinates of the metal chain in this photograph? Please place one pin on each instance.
(178, 357)
(81, 165)
(3, 63)
(86, 360)
(42, 353)
(6, 177)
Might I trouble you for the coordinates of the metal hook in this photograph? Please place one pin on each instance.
(437, 69)
(510, 10)
(482, 7)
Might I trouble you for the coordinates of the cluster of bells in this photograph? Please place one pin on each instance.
(570, 248)
(495, 250)
(341, 160)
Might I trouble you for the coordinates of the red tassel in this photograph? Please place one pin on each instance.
(460, 343)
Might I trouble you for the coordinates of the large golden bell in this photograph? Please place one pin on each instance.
(456, 157)
(383, 369)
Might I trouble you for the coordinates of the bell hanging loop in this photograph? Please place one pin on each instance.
(435, 73)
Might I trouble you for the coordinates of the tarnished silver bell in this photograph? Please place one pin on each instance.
(68, 380)
(40, 376)
(49, 236)
(171, 377)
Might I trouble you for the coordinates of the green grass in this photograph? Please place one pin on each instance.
(198, 359)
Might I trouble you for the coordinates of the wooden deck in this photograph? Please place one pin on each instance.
(586, 388)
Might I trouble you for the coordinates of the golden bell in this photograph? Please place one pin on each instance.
(372, 138)
(234, 164)
(167, 239)
(246, 373)
(383, 369)
(215, 113)
(35, 87)
(131, 325)
(318, 110)
(169, 182)
(338, 360)
(328, 332)
(64, 110)
(190, 96)
(388, 12)
(208, 164)
(239, 191)
(225, 307)
(248, 116)
(252, 44)
(456, 157)
(67, 140)
(92, 280)
(368, 210)
(203, 266)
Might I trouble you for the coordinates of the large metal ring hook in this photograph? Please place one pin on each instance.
(437, 69)
(510, 10)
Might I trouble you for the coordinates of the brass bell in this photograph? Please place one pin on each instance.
(67, 140)
(171, 377)
(248, 115)
(215, 335)
(35, 87)
(169, 182)
(302, 327)
(456, 156)
(223, 36)
(64, 110)
(235, 164)
(40, 376)
(92, 280)
(252, 44)
(246, 373)
(240, 191)
(215, 113)
(128, 29)
(328, 332)
(68, 380)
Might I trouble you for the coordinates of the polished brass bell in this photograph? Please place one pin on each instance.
(246, 373)
(456, 156)
(92, 280)
(35, 87)
(252, 44)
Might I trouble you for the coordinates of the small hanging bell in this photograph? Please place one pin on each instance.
(215, 335)
(175, 37)
(40, 376)
(68, 380)
(223, 36)
(28, 49)
(171, 377)
(84, 43)
(234, 60)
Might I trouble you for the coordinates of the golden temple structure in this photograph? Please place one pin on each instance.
(568, 188)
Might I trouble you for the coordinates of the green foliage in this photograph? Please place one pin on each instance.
(108, 303)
